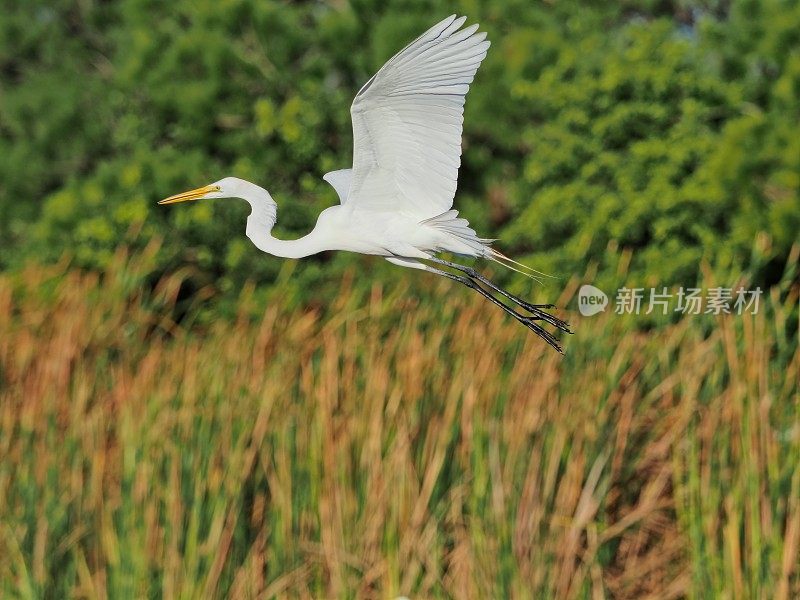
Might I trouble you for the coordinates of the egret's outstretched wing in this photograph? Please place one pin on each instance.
(340, 181)
(407, 123)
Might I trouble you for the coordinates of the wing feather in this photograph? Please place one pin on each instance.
(407, 123)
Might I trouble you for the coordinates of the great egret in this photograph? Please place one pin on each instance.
(396, 201)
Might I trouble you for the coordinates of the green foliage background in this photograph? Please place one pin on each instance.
(667, 128)
(646, 142)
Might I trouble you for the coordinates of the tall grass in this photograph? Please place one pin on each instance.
(388, 447)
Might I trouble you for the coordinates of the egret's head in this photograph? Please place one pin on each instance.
(224, 188)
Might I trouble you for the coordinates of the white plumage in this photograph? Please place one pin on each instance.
(407, 123)
(397, 199)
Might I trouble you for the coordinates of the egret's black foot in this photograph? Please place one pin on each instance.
(547, 317)
(530, 323)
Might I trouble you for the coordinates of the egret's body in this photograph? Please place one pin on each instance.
(365, 232)
(396, 201)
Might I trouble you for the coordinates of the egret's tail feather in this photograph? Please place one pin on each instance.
(462, 239)
(510, 263)
(494, 256)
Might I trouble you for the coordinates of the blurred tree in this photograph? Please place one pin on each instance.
(667, 128)
(54, 108)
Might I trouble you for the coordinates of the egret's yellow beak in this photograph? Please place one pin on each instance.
(190, 195)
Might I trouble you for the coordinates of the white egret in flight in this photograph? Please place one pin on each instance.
(396, 201)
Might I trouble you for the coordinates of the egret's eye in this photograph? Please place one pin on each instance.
(217, 188)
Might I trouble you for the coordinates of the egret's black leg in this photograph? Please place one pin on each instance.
(529, 322)
(534, 309)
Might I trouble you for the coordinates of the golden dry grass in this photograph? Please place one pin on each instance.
(381, 449)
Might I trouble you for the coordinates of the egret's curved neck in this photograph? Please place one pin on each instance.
(304, 246)
(262, 220)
